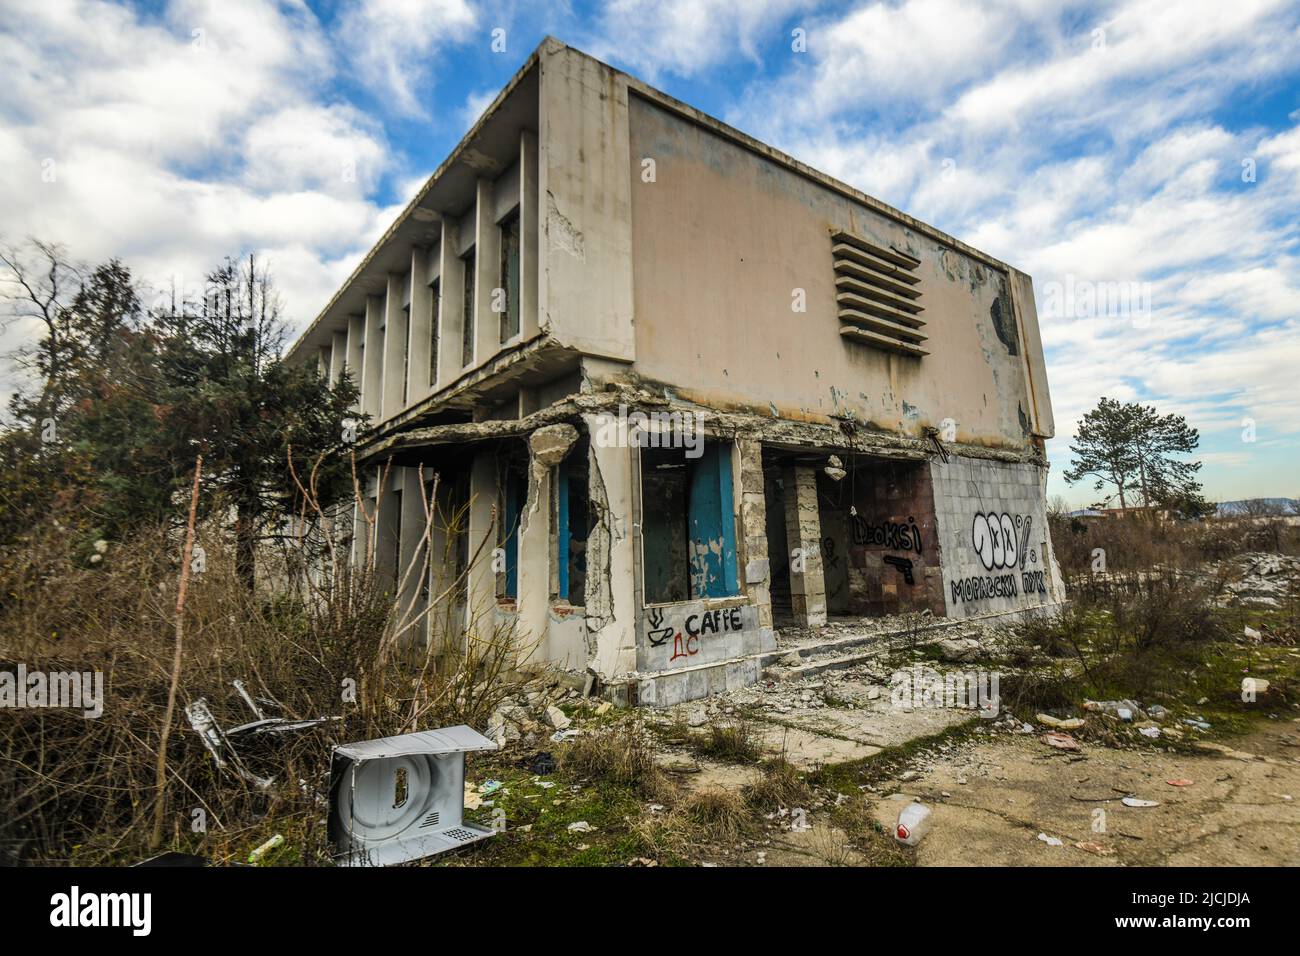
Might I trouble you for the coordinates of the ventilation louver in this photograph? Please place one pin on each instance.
(877, 292)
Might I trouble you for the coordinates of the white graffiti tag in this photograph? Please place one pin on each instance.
(993, 537)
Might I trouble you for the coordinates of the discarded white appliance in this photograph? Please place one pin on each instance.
(402, 798)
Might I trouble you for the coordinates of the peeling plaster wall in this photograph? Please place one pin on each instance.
(723, 237)
(611, 593)
(993, 535)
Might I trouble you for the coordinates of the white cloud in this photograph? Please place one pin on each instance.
(173, 141)
(686, 37)
(391, 44)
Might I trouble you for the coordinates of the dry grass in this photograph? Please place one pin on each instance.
(717, 814)
(733, 741)
(777, 783)
(82, 790)
(621, 756)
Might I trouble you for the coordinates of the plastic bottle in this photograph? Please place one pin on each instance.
(913, 824)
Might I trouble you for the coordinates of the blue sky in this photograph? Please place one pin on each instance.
(1139, 154)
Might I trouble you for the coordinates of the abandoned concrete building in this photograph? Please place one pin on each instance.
(687, 391)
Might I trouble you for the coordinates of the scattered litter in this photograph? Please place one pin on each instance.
(913, 824)
(1196, 722)
(256, 856)
(541, 763)
(1100, 849)
(560, 736)
(1060, 722)
(1152, 732)
(488, 787)
(581, 826)
(1061, 741)
(762, 858)
(1050, 841)
(1179, 783)
(546, 784)
(1135, 802)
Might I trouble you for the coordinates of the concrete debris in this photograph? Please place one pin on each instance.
(557, 718)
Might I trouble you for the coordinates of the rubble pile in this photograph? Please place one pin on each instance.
(1261, 580)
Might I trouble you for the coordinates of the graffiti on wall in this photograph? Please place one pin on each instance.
(681, 630)
(904, 566)
(887, 534)
(1002, 543)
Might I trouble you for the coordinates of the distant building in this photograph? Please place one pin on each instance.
(692, 389)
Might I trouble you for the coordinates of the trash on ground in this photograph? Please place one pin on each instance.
(402, 798)
(256, 856)
(914, 822)
(1061, 741)
(581, 826)
(1049, 840)
(1137, 802)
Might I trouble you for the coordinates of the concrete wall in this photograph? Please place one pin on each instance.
(585, 284)
(993, 535)
(724, 237)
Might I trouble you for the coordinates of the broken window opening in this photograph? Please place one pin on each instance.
(435, 307)
(467, 315)
(688, 524)
(572, 511)
(515, 494)
(509, 277)
(406, 357)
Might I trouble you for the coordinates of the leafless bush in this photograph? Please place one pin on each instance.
(346, 642)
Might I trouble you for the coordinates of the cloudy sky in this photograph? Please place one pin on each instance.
(1140, 159)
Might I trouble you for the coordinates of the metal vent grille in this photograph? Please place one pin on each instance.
(430, 821)
(876, 290)
(459, 833)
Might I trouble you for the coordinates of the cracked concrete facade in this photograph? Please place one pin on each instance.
(659, 431)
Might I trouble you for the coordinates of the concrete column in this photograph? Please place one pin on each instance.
(353, 362)
(756, 572)
(487, 273)
(372, 363)
(484, 537)
(419, 384)
(395, 339)
(803, 532)
(611, 550)
(535, 555)
(450, 319)
(529, 230)
(338, 355)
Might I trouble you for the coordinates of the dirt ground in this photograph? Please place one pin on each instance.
(993, 798)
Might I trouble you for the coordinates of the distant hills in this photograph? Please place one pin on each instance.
(1229, 509)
